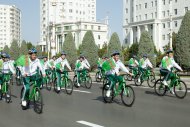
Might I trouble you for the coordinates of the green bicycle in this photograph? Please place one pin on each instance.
(127, 93)
(147, 75)
(48, 80)
(35, 96)
(66, 83)
(5, 91)
(179, 87)
(134, 71)
(85, 79)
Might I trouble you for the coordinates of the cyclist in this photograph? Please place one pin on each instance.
(6, 69)
(144, 63)
(133, 63)
(113, 67)
(30, 73)
(60, 64)
(167, 64)
(80, 67)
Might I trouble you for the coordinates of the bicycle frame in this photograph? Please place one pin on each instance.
(64, 78)
(33, 91)
(5, 83)
(120, 87)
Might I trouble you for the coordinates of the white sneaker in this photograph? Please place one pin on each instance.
(78, 84)
(18, 77)
(8, 96)
(24, 103)
(165, 83)
(0, 87)
(172, 91)
(108, 93)
(99, 77)
(139, 80)
(58, 88)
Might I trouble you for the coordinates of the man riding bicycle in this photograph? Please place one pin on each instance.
(113, 67)
(30, 72)
(167, 64)
(60, 64)
(80, 67)
(7, 68)
(144, 63)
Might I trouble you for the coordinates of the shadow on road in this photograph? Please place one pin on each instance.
(153, 93)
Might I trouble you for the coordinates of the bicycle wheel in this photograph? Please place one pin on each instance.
(75, 81)
(104, 91)
(38, 101)
(137, 80)
(160, 88)
(128, 96)
(8, 94)
(49, 83)
(69, 87)
(55, 86)
(151, 81)
(88, 83)
(98, 77)
(105, 81)
(1, 95)
(180, 89)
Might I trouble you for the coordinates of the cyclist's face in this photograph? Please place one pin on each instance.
(63, 56)
(116, 57)
(81, 59)
(33, 56)
(171, 55)
(54, 58)
(45, 59)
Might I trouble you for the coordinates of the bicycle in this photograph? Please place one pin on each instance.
(85, 79)
(100, 74)
(134, 71)
(19, 80)
(147, 75)
(34, 96)
(48, 80)
(127, 93)
(65, 82)
(5, 91)
(179, 86)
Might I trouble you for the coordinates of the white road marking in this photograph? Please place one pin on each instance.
(89, 124)
(81, 91)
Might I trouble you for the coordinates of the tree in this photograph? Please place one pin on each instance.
(23, 48)
(6, 49)
(14, 50)
(133, 50)
(146, 46)
(102, 52)
(114, 44)
(183, 42)
(70, 48)
(30, 45)
(39, 50)
(89, 49)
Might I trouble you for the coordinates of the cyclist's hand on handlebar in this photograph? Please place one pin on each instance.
(44, 75)
(131, 74)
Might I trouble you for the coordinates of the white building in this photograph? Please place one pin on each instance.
(73, 13)
(10, 25)
(159, 17)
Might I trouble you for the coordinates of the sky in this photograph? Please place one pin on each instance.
(30, 29)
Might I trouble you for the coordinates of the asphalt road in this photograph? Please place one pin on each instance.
(85, 108)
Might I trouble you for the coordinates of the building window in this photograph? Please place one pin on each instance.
(155, 2)
(176, 1)
(99, 37)
(164, 2)
(168, 24)
(85, 26)
(186, 9)
(175, 11)
(152, 3)
(175, 23)
(139, 6)
(145, 5)
(163, 13)
(164, 26)
(99, 27)
(163, 37)
(152, 15)
(70, 10)
(126, 10)
(145, 16)
(126, 20)
(168, 12)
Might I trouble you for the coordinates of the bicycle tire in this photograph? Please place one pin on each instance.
(104, 91)
(132, 94)
(157, 87)
(176, 91)
(38, 101)
(69, 89)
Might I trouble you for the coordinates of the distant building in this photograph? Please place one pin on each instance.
(10, 25)
(159, 17)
